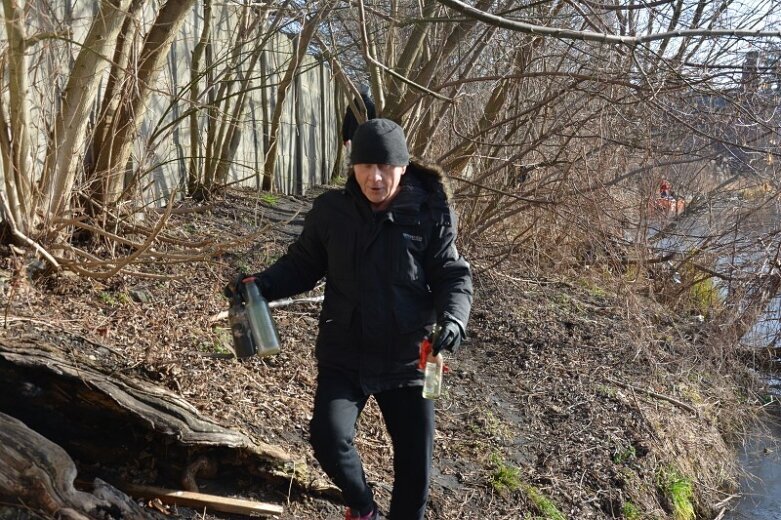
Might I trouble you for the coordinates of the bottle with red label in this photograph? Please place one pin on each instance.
(432, 366)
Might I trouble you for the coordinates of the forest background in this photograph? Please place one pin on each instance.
(556, 121)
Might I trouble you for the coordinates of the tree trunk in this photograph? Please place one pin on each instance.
(114, 96)
(59, 172)
(195, 178)
(304, 39)
(111, 166)
(17, 176)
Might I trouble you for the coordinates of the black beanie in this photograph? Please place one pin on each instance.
(379, 141)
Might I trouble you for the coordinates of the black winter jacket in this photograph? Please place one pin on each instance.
(350, 122)
(389, 277)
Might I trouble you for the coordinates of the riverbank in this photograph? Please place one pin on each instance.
(573, 398)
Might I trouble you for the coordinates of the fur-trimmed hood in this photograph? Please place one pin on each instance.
(432, 175)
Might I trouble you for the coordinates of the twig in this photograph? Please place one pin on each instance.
(203, 250)
(290, 301)
(650, 393)
(277, 303)
(9, 218)
(724, 502)
(8, 306)
(535, 280)
(721, 514)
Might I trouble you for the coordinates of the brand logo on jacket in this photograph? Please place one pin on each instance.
(413, 238)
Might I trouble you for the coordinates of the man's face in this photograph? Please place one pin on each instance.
(379, 182)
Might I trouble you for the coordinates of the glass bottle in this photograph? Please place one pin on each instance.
(264, 330)
(432, 376)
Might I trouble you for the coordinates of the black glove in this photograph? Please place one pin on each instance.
(448, 336)
(233, 287)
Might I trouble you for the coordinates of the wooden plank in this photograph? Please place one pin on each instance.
(201, 500)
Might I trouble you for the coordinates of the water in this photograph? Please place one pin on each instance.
(761, 490)
(761, 456)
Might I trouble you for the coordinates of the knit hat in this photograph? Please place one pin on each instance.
(379, 141)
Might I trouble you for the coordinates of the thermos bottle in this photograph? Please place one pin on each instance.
(252, 326)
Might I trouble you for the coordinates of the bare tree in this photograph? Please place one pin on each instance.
(556, 122)
(39, 197)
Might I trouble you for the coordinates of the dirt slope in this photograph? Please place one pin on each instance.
(566, 395)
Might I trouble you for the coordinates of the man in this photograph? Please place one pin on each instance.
(350, 122)
(386, 245)
(664, 189)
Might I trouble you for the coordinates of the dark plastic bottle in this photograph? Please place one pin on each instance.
(243, 344)
(264, 330)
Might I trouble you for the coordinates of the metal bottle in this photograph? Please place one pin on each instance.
(263, 329)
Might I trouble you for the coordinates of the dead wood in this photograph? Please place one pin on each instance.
(107, 422)
(38, 473)
(689, 408)
(202, 500)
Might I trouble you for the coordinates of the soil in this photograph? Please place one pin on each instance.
(570, 392)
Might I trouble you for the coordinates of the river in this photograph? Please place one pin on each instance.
(760, 490)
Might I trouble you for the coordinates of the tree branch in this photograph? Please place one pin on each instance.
(9, 219)
(569, 34)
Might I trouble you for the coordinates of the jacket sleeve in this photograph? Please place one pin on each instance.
(448, 274)
(301, 267)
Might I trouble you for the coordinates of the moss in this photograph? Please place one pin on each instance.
(623, 454)
(243, 266)
(108, 298)
(543, 504)
(606, 391)
(679, 492)
(560, 299)
(489, 425)
(271, 199)
(630, 511)
(704, 296)
(505, 477)
(339, 180)
(594, 290)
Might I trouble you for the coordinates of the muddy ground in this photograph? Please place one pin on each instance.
(572, 396)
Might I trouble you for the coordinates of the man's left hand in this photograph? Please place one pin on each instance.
(448, 337)
(234, 286)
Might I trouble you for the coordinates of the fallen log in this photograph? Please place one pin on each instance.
(36, 472)
(108, 421)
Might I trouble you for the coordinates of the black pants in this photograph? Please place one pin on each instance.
(410, 422)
